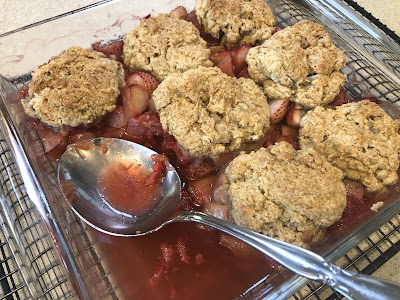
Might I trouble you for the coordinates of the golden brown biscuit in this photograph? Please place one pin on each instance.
(298, 63)
(285, 194)
(236, 22)
(76, 87)
(209, 112)
(359, 138)
(163, 44)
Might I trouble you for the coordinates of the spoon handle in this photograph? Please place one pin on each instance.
(303, 262)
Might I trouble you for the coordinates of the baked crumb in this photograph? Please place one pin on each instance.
(376, 206)
(209, 112)
(359, 138)
(288, 194)
(299, 63)
(236, 22)
(163, 44)
(76, 87)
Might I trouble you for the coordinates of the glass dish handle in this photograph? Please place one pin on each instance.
(303, 262)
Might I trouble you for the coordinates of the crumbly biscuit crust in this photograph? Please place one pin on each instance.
(240, 21)
(163, 44)
(286, 194)
(76, 87)
(210, 113)
(359, 138)
(299, 63)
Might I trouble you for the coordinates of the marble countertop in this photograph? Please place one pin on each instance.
(31, 11)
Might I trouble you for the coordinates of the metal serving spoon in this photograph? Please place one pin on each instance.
(78, 176)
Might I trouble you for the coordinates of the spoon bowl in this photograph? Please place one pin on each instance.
(78, 175)
(80, 167)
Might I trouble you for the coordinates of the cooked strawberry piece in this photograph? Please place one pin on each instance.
(52, 141)
(226, 66)
(275, 135)
(190, 168)
(134, 100)
(197, 168)
(219, 56)
(294, 115)
(152, 122)
(243, 73)
(111, 49)
(239, 60)
(158, 168)
(151, 107)
(145, 80)
(289, 131)
(201, 189)
(193, 19)
(223, 159)
(278, 109)
(179, 13)
(274, 130)
(186, 201)
(147, 130)
(207, 37)
(168, 253)
(116, 118)
(277, 28)
(183, 251)
(218, 210)
(169, 144)
(135, 130)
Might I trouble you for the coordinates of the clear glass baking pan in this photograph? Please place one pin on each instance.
(373, 69)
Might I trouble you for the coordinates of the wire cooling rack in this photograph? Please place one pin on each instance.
(366, 258)
(30, 267)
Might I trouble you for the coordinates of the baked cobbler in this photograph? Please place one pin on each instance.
(248, 129)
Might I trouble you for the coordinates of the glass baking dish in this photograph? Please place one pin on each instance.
(373, 68)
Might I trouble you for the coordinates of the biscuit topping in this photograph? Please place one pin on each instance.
(286, 194)
(75, 88)
(163, 44)
(299, 63)
(239, 21)
(359, 138)
(210, 113)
